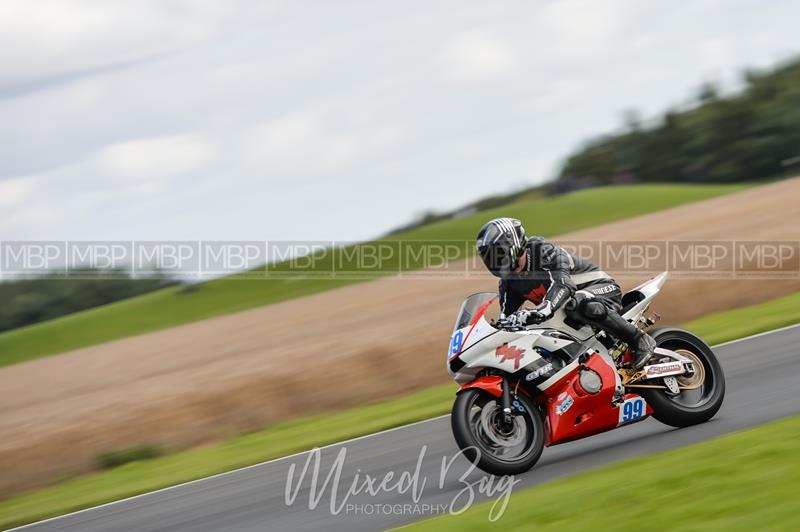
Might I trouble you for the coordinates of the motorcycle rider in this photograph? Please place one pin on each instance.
(539, 271)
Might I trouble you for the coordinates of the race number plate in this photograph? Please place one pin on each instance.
(632, 409)
(455, 345)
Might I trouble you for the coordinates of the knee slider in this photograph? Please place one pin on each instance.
(580, 297)
(594, 310)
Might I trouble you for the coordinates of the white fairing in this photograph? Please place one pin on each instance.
(485, 354)
(648, 290)
(479, 345)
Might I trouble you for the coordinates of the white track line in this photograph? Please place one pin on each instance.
(765, 333)
(323, 447)
(232, 471)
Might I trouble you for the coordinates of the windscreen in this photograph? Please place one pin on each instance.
(485, 302)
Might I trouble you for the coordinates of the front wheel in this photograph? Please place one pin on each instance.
(701, 394)
(491, 443)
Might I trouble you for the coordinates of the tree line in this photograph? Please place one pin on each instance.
(28, 301)
(751, 134)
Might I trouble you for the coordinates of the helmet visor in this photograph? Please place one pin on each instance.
(497, 259)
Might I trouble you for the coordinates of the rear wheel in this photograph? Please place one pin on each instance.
(487, 440)
(701, 394)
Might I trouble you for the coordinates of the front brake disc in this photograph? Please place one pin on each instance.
(489, 420)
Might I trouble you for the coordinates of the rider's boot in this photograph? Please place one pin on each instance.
(642, 344)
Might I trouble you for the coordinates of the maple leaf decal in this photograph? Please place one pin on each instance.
(537, 294)
(507, 352)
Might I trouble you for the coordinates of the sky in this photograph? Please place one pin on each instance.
(294, 120)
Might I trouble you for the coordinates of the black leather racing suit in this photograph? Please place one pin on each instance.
(553, 274)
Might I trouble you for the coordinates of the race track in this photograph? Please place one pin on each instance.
(761, 378)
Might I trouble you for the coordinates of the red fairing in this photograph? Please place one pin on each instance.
(574, 413)
(492, 384)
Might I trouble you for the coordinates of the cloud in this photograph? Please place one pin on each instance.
(13, 192)
(313, 142)
(222, 119)
(715, 53)
(584, 31)
(476, 57)
(63, 35)
(555, 94)
(298, 143)
(155, 158)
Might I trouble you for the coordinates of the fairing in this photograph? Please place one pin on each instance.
(545, 362)
(572, 412)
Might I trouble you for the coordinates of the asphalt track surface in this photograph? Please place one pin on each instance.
(761, 374)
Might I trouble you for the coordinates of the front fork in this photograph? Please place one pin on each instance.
(499, 387)
(506, 401)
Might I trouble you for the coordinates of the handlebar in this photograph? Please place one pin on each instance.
(505, 326)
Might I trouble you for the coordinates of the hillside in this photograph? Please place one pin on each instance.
(219, 377)
(179, 305)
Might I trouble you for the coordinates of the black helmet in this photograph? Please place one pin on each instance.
(500, 244)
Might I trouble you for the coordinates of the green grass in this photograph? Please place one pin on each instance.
(743, 481)
(176, 305)
(728, 325)
(280, 440)
(305, 433)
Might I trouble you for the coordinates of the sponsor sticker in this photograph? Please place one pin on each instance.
(565, 405)
(538, 372)
(662, 369)
(518, 406)
(603, 289)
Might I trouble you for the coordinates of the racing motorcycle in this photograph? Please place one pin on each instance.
(523, 389)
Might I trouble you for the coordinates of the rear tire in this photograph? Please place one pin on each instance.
(667, 409)
(478, 447)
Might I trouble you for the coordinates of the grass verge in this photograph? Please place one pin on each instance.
(731, 324)
(279, 440)
(177, 305)
(743, 481)
(301, 434)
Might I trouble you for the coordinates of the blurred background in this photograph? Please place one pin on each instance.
(341, 132)
(214, 120)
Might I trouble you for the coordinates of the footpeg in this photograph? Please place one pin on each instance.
(650, 321)
(672, 385)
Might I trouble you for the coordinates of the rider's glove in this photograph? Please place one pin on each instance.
(517, 319)
(541, 313)
(533, 316)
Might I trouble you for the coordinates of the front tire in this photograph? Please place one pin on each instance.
(690, 407)
(486, 442)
